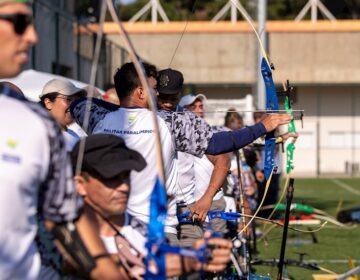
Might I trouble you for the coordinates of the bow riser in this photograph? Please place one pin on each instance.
(271, 105)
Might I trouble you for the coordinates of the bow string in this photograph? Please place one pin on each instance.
(158, 201)
(156, 243)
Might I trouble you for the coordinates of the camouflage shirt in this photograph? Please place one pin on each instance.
(191, 133)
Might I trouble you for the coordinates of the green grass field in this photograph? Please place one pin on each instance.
(334, 243)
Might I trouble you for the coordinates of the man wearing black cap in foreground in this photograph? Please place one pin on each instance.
(104, 183)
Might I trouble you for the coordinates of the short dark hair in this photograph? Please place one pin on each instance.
(126, 78)
(51, 96)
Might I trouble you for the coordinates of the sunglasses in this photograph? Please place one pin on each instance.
(20, 21)
(71, 98)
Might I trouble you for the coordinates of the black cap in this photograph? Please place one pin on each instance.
(170, 81)
(107, 156)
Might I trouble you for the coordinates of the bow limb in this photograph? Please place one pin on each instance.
(275, 206)
(290, 147)
(333, 221)
(91, 92)
(248, 19)
(233, 216)
(156, 244)
(271, 105)
(299, 207)
(291, 129)
(270, 141)
(326, 220)
(142, 76)
(158, 200)
(260, 205)
(271, 102)
(316, 213)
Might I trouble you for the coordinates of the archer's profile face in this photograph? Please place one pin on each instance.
(197, 107)
(108, 196)
(168, 102)
(59, 109)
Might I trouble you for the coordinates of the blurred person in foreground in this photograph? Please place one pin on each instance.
(15, 89)
(35, 175)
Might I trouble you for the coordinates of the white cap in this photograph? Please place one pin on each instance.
(190, 99)
(63, 87)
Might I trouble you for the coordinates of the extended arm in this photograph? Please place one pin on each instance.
(224, 142)
(221, 167)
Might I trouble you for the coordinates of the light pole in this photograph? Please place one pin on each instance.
(262, 15)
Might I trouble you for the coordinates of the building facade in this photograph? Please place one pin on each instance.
(321, 60)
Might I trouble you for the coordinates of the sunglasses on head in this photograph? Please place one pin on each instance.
(20, 21)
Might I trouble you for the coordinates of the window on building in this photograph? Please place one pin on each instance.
(62, 70)
(343, 139)
(306, 140)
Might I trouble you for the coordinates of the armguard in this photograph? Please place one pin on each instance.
(69, 238)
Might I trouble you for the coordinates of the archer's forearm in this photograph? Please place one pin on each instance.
(228, 141)
(177, 265)
(221, 167)
(88, 231)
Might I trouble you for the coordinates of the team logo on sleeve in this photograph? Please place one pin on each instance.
(11, 143)
(9, 156)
